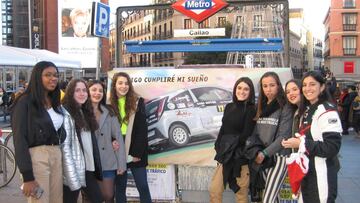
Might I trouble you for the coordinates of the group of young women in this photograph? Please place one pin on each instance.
(81, 143)
(254, 142)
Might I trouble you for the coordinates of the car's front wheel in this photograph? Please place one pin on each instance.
(178, 135)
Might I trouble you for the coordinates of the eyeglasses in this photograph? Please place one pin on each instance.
(49, 75)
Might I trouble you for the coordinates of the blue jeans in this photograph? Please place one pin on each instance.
(142, 186)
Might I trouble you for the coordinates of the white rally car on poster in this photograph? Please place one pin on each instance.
(178, 116)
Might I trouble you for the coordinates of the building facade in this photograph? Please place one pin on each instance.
(247, 22)
(342, 55)
(7, 23)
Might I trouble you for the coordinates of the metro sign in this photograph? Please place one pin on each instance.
(199, 10)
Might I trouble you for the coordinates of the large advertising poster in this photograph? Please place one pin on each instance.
(75, 41)
(184, 108)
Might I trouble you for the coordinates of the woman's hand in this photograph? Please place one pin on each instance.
(291, 143)
(136, 159)
(28, 188)
(259, 158)
(115, 145)
(120, 172)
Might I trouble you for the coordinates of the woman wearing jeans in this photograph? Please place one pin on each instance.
(130, 110)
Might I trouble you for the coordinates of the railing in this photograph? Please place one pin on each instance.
(163, 35)
(349, 27)
(349, 51)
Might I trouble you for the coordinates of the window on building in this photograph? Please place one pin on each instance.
(349, 21)
(349, 3)
(240, 20)
(221, 21)
(160, 30)
(349, 45)
(258, 22)
(240, 23)
(187, 24)
(205, 24)
(171, 28)
(166, 32)
(155, 33)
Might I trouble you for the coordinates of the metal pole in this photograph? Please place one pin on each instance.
(30, 23)
(99, 59)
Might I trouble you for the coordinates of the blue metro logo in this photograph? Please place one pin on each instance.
(198, 4)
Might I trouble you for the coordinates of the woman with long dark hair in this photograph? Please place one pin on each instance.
(237, 125)
(130, 110)
(113, 162)
(82, 165)
(37, 120)
(321, 126)
(273, 124)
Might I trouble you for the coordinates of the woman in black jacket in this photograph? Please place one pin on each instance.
(237, 125)
(36, 120)
(130, 109)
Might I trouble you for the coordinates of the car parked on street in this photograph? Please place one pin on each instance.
(178, 116)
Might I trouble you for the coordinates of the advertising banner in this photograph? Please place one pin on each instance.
(161, 180)
(285, 192)
(184, 108)
(75, 41)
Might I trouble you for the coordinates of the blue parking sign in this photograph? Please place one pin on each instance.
(101, 20)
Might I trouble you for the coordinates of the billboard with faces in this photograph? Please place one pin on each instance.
(75, 41)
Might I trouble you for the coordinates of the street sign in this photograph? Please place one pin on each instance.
(199, 10)
(199, 32)
(101, 20)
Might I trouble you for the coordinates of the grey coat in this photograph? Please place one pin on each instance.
(73, 156)
(271, 134)
(109, 129)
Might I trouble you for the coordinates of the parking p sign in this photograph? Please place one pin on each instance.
(101, 20)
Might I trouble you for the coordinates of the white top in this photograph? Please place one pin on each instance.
(56, 118)
(88, 150)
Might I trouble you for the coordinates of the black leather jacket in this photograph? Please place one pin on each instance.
(31, 128)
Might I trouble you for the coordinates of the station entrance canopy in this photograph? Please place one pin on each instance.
(205, 45)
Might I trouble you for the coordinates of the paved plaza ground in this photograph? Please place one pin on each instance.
(348, 179)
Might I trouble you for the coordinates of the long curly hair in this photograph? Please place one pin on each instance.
(130, 100)
(83, 115)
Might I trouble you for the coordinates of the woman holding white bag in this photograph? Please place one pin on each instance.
(321, 125)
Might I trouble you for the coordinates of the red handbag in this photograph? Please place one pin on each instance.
(298, 166)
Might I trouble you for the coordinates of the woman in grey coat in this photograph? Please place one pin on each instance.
(113, 161)
(273, 124)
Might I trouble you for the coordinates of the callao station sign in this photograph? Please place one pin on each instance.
(199, 10)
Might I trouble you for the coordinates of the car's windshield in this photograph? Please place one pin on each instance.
(211, 94)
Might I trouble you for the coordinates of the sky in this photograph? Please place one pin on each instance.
(314, 11)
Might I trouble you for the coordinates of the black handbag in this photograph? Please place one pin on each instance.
(61, 134)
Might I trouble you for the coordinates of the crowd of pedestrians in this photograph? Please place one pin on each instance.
(96, 144)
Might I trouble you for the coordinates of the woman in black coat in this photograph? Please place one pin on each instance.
(130, 109)
(237, 125)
